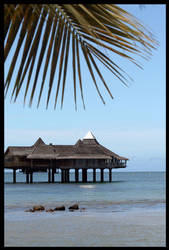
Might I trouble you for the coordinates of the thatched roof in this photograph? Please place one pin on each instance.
(18, 151)
(87, 148)
(23, 151)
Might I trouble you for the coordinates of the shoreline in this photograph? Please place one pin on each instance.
(88, 228)
(97, 206)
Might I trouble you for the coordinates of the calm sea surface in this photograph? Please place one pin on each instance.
(128, 192)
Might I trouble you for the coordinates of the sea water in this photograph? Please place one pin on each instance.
(129, 193)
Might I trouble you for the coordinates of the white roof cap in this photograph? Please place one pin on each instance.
(89, 135)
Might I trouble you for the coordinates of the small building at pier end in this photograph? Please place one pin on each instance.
(85, 154)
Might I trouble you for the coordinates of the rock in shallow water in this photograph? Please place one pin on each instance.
(60, 208)
(35, 208)
(38, 208)
(50, 210)
(74, 207)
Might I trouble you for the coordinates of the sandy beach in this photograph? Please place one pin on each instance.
(128, 228)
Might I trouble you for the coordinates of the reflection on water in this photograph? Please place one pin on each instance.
(87, 186)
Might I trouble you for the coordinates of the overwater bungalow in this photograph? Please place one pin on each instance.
(85, 154)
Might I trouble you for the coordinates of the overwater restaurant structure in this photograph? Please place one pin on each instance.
(83, 155)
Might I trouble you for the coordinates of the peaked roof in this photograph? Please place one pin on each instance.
(24, 151)
(89, 135)
(39, 141)
(18, 150)
(87, 148)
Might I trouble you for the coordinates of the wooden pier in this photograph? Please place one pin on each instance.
(84, 155)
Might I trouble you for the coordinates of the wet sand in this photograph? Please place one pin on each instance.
(87, 228)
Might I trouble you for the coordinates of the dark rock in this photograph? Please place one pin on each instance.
(75, 207)
(38, 208)
(60, 208)
(50, 210)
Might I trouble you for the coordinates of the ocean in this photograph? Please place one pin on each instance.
(129, 211)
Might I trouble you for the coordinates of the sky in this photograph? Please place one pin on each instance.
(132, 125)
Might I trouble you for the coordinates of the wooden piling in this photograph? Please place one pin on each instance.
(49, 175)
(53, 175)
(31, 177)
(27, 177)
(102, 175)
(67, 179)
(84, 175)
(62, 175)
(76, 175)
(14, 175)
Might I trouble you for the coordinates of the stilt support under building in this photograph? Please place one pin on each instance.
(67, 175)
(84, 175)
(14, 175)
(49, 175)
(31, 177)
(62, 175)
(27, 177)
(102, 175)
(53, 175)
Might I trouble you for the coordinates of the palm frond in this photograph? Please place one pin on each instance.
(48, 57)
(64, 29)
(65, 64)
(61, 62)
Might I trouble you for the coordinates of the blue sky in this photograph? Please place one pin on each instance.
(131, 125)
